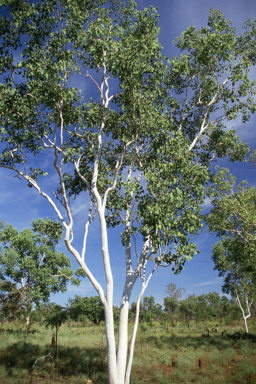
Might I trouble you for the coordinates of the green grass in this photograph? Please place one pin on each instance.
(228, 358)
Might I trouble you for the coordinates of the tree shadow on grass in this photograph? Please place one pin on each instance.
(73, 361)
(10, 331)
(241, 336)
(220, 341)
(20, 331)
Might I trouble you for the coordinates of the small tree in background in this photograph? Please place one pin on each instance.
(171, 303)
(204, 308)
(56, 316)
(188, 308)
(174, 292)
(233, 217)
(31, 265)
(237, 282)
(90, 307)
(147, 310)
(12, 306)
(94, 309)
(214, 303)
(171, 307)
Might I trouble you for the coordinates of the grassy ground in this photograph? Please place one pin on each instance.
(161, 357)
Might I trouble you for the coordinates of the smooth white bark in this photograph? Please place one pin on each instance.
(111, 345)
(248, 308)
(123, 326)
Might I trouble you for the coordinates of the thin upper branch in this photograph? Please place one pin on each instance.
(204, 126)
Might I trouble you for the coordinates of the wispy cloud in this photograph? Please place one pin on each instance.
(80, 205)
(85, 288)
(211, 282)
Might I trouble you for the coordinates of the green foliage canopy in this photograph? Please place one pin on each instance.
(141, 125)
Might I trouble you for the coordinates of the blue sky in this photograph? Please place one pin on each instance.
(20, 205)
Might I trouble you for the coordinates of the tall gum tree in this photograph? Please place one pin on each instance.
(140, 148)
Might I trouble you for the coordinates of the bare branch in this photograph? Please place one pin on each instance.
(62, 275)
(95, 82)
(40, 358)
(203, 125)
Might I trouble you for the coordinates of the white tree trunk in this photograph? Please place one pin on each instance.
(248, 308)
(135, 328)
(111, 345)
(123, 326)
(27, 324)
(108, 303)
(245, 322)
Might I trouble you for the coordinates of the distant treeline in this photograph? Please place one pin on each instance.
(86, 310)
